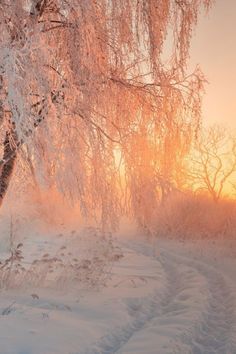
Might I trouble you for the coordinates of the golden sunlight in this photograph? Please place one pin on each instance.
(117, 176)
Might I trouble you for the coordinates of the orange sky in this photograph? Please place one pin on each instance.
(214, 48)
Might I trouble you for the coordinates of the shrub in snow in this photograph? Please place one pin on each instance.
(83, 262)
(190, 217)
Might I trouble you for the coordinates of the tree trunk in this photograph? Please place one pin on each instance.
(8, 162)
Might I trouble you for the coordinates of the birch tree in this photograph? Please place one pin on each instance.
(82, 78)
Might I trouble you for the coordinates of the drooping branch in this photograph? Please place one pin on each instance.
(94, 73)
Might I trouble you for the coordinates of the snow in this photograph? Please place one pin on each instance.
(178, 299)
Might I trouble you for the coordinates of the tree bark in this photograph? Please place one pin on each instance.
(8, 162)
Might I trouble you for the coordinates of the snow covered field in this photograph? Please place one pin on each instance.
(178, 299)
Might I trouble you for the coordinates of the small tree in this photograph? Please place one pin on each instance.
(212, 162)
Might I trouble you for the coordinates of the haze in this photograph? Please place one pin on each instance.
(213, 48)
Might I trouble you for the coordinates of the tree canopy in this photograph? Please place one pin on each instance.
(96, 100)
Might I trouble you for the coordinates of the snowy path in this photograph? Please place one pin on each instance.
(194, 313)
(175, 302)
(216, 331)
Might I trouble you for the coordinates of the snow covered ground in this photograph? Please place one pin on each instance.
(178, 299)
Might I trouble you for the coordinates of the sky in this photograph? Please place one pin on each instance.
(214, 49)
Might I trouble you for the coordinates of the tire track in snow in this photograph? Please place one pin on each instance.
(173, 311)
(155, 306)
(211, 331)
(216, 332)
